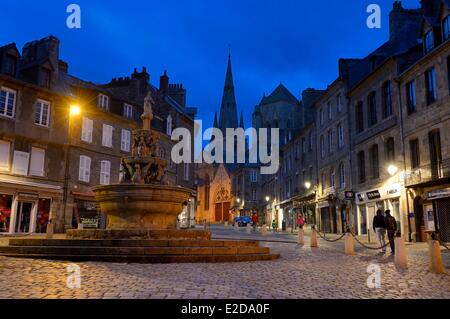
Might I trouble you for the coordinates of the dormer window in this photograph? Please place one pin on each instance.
(45, 78)
(103, 102)
(428, 42)
(446, 28)
(169, 125)
(128, 111)
(10, 65)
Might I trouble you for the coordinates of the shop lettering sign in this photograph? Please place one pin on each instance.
(442, 193)
(373, 195)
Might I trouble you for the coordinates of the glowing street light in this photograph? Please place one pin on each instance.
(75, 110)
(308, 185)
(267, 199)
(239, 200)
(392, 170)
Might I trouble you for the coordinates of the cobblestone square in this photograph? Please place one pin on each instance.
(300, 273)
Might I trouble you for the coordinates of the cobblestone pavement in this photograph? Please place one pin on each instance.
(300, 273)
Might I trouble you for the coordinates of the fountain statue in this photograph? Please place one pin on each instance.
(141, 200)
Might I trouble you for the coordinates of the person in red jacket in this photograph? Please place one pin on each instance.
(300, 221)
(255, 221)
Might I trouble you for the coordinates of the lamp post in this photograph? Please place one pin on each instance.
(74, 111)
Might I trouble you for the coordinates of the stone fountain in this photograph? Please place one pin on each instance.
(142, 212)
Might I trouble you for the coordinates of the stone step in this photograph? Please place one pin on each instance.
(129, 243)
(153, 259)
(132, 251)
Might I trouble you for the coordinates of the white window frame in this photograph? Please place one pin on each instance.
(5, 164)
(339, 103)
(128, 110)
(39, 109)
(330, 141)
(37, 153)
(107, 135)
(8, 92)
(105, 173)
(17, 170)
(103, 101)
(84, 169)
(125, 140)
(87, 129)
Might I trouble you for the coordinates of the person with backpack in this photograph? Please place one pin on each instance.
(391, 226)
(379, 227)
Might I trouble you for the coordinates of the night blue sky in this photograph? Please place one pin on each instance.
(291, 41)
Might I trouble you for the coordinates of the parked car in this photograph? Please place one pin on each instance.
(242, 221)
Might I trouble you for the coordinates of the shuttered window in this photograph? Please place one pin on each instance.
(85, 169)
(37, 162)
(42, 113)
(86, 131)
(5, 153)
(7, 102)
(107, 135)
(125, 141)
(20, 163)
(105, 172)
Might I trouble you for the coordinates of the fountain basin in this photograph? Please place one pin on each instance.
(141, 207)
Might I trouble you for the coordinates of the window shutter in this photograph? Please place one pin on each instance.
(125, 141)
(86, 132)
(81, 168)
(37, 162)
(20, 163)
(105, 172)
(4, 155)
(107, 135)
(87, 169)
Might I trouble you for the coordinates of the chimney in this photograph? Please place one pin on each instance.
(430, 8)
(164, 82)
(63, 67)
(404, 24)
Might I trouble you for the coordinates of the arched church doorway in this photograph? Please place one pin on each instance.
(223, 205)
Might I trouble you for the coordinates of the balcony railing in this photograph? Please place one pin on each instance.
(428, 173)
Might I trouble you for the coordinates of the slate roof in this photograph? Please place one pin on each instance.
(281, 93)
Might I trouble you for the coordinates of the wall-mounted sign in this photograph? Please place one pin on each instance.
(350, 195)
(441, 193)
(388, 192)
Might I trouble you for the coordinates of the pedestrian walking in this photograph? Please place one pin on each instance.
(391, 226)
(300, 221)
(255, 221)
(274, 225)
(379, 227)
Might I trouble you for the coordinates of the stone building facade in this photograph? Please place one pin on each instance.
(424, 90)
(49, 168)
(333, 158)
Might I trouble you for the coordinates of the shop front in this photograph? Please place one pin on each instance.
(370, 201)
(436, 210)
(27, 210)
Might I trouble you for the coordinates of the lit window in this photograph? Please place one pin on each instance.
(84, 174)
(37, 162)
(105, 172)
(411, 97)
(430, 79)
(107, 135)
(125, 141)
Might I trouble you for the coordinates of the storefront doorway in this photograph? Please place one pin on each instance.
(23, 217)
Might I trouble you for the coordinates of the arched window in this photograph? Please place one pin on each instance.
(390, 149)
(387, 100)
(169, 123)
(207, 191)
(361, 167)
(342, 175)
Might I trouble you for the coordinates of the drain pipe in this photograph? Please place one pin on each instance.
(402, 139)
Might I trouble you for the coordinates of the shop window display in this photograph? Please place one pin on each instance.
(43, 215)
(5, 212)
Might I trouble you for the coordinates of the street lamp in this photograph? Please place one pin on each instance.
(238, 200)
(308, 185)
(75, 110)
(267, 199)
(392, 170)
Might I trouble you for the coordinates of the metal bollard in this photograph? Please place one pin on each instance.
(301, 236)
(349, 244)
(264, 231)
(401, 259)
(436, 264)
(314, 242)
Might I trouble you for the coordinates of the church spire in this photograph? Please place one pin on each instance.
(228, 112)
(241, 122)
